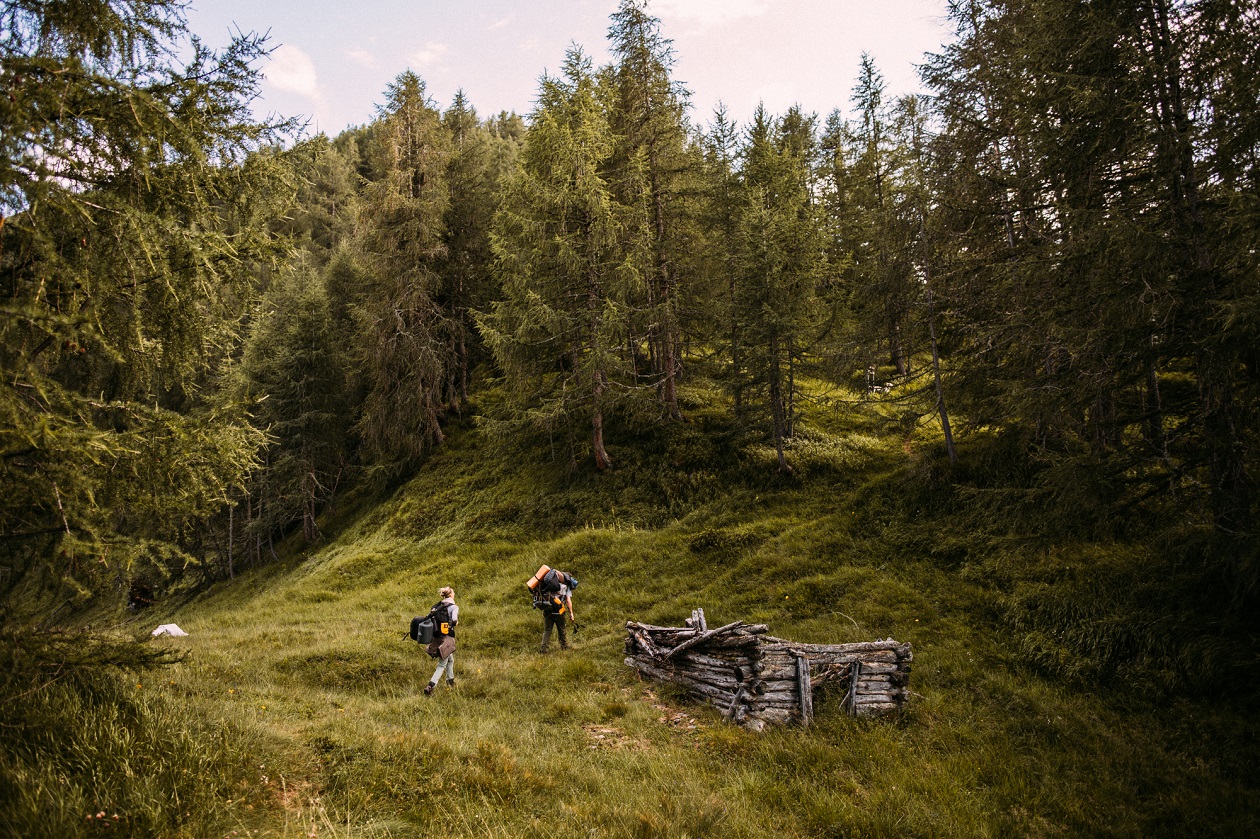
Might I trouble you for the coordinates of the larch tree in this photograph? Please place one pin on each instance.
(717, 280)
(875, 233)
(136, 189)
(294, 374)
(473, 171)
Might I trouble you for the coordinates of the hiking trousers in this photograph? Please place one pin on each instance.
(558, 622)
(448, 665)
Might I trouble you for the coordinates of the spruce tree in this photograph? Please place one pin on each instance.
(404, 341)
(559, 244)
(779, 266)
(294, 374)
(652, 165)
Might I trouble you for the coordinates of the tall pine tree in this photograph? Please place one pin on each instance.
(559, 241)
(651, 167)
(779, 266)
(405, 354)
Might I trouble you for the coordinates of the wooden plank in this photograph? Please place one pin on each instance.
(805, 691)
(850, 699)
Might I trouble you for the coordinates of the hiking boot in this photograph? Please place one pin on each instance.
(428, 689)
(450, 683)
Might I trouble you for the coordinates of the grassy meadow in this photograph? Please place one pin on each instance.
(1047, 699)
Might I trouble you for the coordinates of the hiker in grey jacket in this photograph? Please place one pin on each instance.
(442, 647)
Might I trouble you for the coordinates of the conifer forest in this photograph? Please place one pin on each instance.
(977, 369)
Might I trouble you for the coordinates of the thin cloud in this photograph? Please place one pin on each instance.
(292, 71)
(430, 55)
(500, 24)
(363, 58)
(709, 13)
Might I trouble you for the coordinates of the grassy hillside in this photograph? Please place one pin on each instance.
(1049, 698)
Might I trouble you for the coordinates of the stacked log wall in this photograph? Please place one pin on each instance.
(755, 679)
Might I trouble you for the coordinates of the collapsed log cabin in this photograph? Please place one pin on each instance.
(754, 678)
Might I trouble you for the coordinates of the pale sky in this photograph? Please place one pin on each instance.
(332, 60)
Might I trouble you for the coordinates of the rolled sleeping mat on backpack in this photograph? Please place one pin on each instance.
(422, 629)
(533, 581)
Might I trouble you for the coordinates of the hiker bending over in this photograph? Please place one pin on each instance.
(445, 616)
(554, 596)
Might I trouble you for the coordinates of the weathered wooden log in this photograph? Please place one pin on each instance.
(874, 667)
(645, 642)
(698, 688)
(780, 685)
(701, 692)
(778, 700)
(651, 627)
(773, 715)
(840, 649)
(747, 644)
(721, 681)
(724, 682)
(781, 696)
(804, 690)
(822, 654)
(720, 659)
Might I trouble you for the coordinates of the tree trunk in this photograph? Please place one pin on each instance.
(669, 327)
(231, 539)
(598, 378)
(777, 406)
(936, 358)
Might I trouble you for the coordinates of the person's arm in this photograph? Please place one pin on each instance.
(569, 600)
(454, 613)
